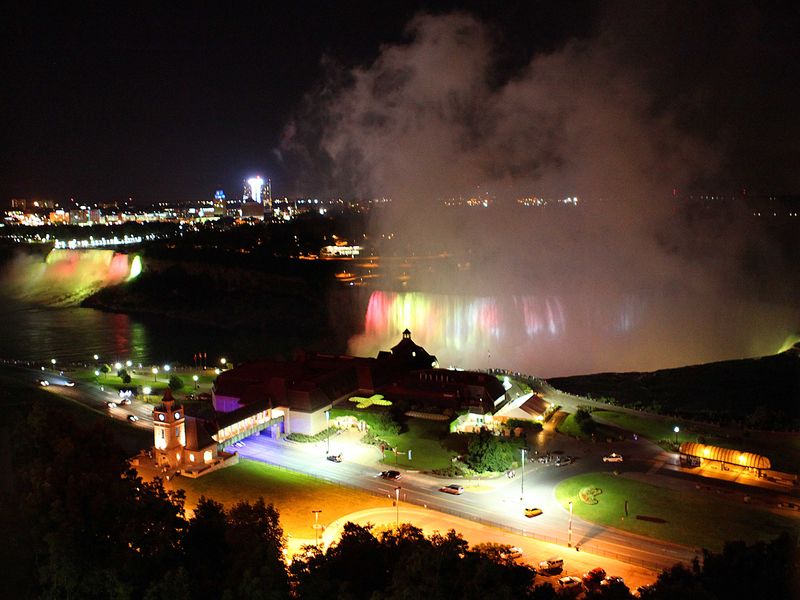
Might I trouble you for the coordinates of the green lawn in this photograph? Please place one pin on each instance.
(679, 516)
(652, 427)
(569, 426)
(430, 443)
(294, 495)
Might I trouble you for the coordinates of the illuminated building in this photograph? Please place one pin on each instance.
(257, 190)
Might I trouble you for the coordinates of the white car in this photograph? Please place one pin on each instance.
(133, 418)
(514, 552)
(570, 583)
(111, 404)
(613, 457)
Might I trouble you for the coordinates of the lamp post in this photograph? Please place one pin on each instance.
(53, 361)
(676, 429)
(195, 378)
(96, 356)
(397, 506)
(522, 481)
(328, 429)
(155, 373)
(316, 526)
(569, 527)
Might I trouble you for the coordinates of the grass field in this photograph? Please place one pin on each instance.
(144, 378)
(431, 445)
(569, 426)
(680, 516)
(293, 494)
(648, 426)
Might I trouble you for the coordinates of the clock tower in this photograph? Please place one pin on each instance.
(169, 432)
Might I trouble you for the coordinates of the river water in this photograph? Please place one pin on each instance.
(74, 334)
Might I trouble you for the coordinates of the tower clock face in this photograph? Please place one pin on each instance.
(161, 417)
(177, 415)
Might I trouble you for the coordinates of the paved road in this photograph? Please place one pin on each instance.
(498, 505)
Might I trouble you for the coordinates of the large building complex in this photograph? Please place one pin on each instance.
(280, 397)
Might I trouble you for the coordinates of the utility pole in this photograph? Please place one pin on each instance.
(397, 505)
(522, 468)
(569, 527)
(328, 428)
(316, 526)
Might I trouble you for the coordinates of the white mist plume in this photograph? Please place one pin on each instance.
(426, 121)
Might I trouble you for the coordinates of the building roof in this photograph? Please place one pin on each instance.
(229, 418)
(198, 436)
(725, 455)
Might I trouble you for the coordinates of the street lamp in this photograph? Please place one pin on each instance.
(155, 373)
(53, 361)
(129, 363)
(316, 526)
(569, 527)
(397, 505)
(147, 390)
(97, 357)
(676, 429)
(522, 468)
(96, 373)
(223, 361)
(195, 378)
(117, 366)
(167, 368)
(328, 429)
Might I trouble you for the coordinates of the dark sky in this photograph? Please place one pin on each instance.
(165, 103)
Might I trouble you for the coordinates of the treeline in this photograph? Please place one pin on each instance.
(79, 523)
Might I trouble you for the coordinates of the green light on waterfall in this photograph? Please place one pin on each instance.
(136, 267)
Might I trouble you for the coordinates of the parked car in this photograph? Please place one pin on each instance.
(393, 475)
(611, 580)
(569, 583)
(513, 553)
(563, 461)
(592, 579)
(44, 382)
(337, 458)
(125, 401)
(133, 418)
(452, 489)
(613, 457)
(533, 512)
(551, 564)
(111, 404)
(69, 383)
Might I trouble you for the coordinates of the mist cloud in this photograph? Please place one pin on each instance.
(428, 120)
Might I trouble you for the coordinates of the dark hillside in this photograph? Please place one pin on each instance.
(761, 392)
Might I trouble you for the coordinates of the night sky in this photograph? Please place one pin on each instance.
(164, 104)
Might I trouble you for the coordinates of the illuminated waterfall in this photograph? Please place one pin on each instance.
(66, 277)
(577, 332)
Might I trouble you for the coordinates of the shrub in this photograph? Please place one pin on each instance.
(588, 495)
(175, 383)
(527, 425)
(304, 438)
